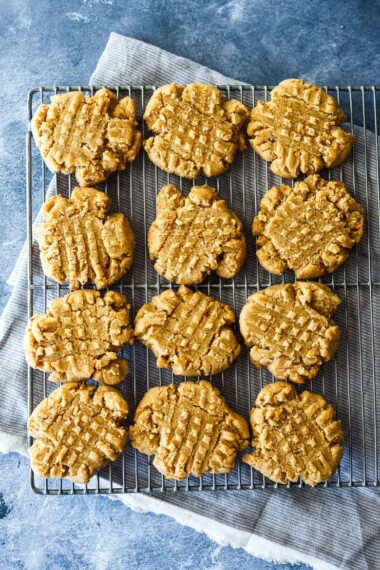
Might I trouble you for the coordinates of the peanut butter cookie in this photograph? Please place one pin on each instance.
(309, 228)
(80, 242)
(195, 235)
(190, 429)
(289, 329)
(78, 430)
(197, 133)
(294, 436)
(91, 136)
(189, 332)
(298, 130)
(79, 336)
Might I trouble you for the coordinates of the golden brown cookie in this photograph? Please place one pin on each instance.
(78, 430)
(195, 235)
(188, 332)
(91, 136)
(80, 242)
(294, 436)
(309, 228)
(190, 429)
(289, 329)
(79, 336)
(197, 133)
(298, 130)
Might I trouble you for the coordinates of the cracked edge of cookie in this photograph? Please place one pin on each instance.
(276, 395)
(147, 439)
(116, 369)
(267, 253)
(170, 199)
(167, 302)
(108, 397)
(233, 107)
(322, 300)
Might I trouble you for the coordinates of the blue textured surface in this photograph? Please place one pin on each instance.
(46, 42)
(38, 533)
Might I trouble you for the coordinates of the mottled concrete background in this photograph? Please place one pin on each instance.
(59, 42)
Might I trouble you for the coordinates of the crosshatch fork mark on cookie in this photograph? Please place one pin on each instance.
(190, 430)
(194, 235)
(189, 332)
(289, 329)
(78, 430)
(80, 242)
(78, 338)
(298, 130)
(196, 132)
(91, 136)
(294, 435)
(309, 228)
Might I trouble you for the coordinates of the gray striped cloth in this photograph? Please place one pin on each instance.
(327, 527)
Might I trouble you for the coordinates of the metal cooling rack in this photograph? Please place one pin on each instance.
(349, 381)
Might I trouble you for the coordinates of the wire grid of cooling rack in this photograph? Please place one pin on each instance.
(349, 381)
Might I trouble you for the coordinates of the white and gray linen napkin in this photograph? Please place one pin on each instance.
(326, 528)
